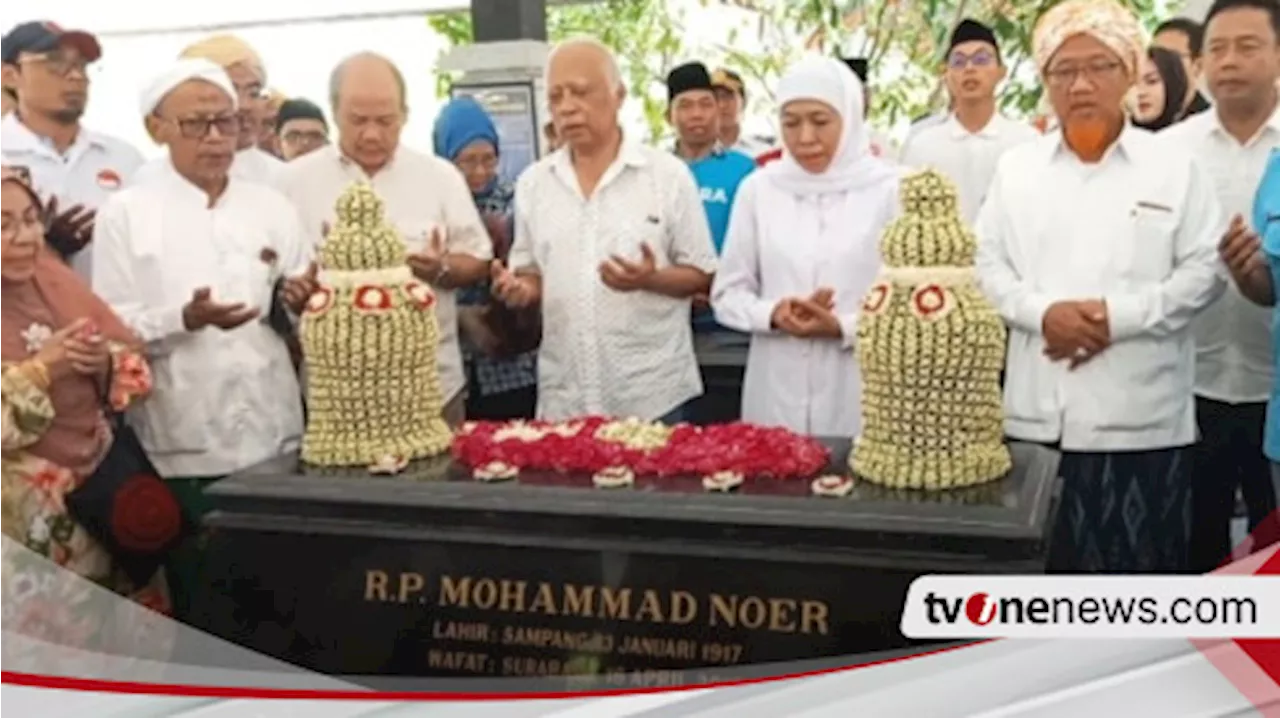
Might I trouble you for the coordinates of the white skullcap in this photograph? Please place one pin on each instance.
(179, 72)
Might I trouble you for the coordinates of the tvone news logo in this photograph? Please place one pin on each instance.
(978, 608)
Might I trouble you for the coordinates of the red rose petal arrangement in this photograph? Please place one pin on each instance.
(592, 444)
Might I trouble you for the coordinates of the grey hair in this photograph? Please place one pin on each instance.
(339, 72)
(611, 70)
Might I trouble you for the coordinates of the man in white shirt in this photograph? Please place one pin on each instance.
(73, 168)
(249, 75)
(1234, 366)
(611, 238)
(1098, 246)
(426, 198)
(192, 261)
(969, 143)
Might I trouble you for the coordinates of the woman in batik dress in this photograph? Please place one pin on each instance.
(66, 359)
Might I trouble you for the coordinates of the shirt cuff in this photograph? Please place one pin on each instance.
(761, 316)
(172, 323)
(1031, 313)
(1125, 315)
(848, 330)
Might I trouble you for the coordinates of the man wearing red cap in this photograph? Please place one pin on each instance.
(75, 170)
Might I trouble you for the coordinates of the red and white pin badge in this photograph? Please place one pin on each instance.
(109, 179)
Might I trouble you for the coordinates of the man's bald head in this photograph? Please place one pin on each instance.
(368, 74)
(368, 98)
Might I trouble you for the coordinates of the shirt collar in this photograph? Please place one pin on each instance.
(1121, 149)
(988, 131)
(1272, 123)
(717, 150)
(351, 166)
(17, 137)
(630, 154)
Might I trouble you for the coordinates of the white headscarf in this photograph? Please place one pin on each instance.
(831, 81)
(179, 72)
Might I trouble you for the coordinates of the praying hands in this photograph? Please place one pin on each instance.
(808, 318)
(1076, 331)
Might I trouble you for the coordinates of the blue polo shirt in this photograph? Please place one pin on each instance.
(718, 176)
(1266, 219)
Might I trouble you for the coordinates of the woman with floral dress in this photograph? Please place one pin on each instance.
(67, 361)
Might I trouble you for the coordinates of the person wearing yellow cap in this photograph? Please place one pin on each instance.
(1098, 245)
(731, 95)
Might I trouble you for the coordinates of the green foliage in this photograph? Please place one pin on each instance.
(645, 35)
(904, 39)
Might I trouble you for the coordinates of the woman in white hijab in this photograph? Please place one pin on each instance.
(801, 251)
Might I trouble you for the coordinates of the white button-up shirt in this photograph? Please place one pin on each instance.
(250, 164)
(967, 158)
(223, 400)
(605, 352)
(421, 193)
(1139, 230)
(92, 169)
(1233, 336)
(780, 246)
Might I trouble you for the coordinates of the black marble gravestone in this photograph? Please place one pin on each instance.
(432, 573)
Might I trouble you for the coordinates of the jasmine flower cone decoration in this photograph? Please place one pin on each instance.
(369, 336)
(931, 348)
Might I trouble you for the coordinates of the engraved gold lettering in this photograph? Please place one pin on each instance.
(782, 615)
(474, 632)
(411, 585)
(752, 612)
(684, 608)
(544, 601)
(458, 661)
(578, 600)
(814, 617)
(615, 603)
(650, 608)
(485, 594)
(724, 610)
(512, 597)
(375, 585)
(455, 593)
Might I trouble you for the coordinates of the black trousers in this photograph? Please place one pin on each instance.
(1229, 456)
(503, 406)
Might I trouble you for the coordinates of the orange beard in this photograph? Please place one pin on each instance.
(1089, 138)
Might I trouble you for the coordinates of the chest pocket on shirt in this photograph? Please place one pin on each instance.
(640, 222)
(1152, 247)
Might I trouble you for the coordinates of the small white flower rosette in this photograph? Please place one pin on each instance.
(496, 471)
(614, 477)
(832, 486)
(35, 336)
(722, 481)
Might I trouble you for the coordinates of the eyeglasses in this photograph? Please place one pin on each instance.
(470, 164)
(58, 63)
(982, 58)
(1066, 76)
(300, 137)
(198, 128)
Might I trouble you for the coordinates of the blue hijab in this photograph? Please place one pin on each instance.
(460, 123)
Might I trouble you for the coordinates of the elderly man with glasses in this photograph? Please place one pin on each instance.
(195, 260)
(967, 145)
(248, 75)
(75, 170)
